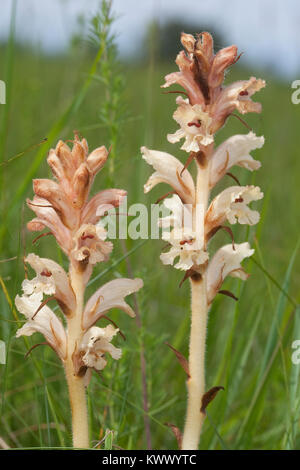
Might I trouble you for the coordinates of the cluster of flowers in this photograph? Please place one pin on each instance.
(75, 220)
(63, 206)
(208, 105)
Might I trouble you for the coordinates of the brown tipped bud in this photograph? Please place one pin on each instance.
(205, 43)
(188, 42)
(85, 146)
(223, 59)
(97, 159)
(63, 152)
(78, 153)
(55, 165)
(81, 185)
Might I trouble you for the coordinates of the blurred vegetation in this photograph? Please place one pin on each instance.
(249, 342)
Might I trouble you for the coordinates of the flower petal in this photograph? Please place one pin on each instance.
(226, 262)
(47, 216)
(176, 219)
(234, 151)
(100, 203)
(110, 296)
(48, 269)
(185, 78)
(168, 170)
(236, 96)
(222, 60)
(44, 322)
(97, 159)
(56, 197)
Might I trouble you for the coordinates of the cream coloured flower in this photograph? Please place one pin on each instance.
(186, 247)
(226, 262)
(110, 295)
(169, 169)
(194, 126)
(41, 321)
(184, 242)
(43, 282)
(51, 279)
(96, 342)
(90, 244)
(234, 151)
(232, 204)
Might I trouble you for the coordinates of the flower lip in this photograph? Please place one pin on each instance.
(232, 204)
(194, 126)
(95, 344)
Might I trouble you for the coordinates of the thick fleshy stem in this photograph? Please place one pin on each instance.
(199, 313)
(196, 381)
(76, 387)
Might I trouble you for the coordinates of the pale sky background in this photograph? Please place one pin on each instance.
(267, 30)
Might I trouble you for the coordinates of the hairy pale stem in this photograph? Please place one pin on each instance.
(77, 394)
(196, 381)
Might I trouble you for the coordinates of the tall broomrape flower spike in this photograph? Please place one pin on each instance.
(205, 109)
(75, 221)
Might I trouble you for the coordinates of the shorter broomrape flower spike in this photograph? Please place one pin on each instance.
(75, 220)
(200, 116)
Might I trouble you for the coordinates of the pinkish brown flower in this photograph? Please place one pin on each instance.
(202, 75)
(64, 206)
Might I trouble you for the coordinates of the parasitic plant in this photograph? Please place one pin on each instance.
(194, 218)
(64, 207)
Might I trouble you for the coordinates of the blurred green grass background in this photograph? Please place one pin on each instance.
(249, 342)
